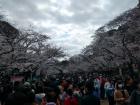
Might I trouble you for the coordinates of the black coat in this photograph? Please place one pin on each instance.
(90, 100)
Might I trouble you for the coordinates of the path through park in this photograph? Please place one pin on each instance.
(104, 102)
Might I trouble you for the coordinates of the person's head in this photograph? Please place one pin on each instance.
(108, 79)
(112, 82)
(70, 92)
(38, 84)
(119, 86)
(27, 86)
(39, 87)
(16, 85)
(51, 94)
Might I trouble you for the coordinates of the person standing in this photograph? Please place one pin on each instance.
(89, 98)
(135, 96)
(102, 90)
(109, 89)
(121, 95)
(97, 88)
(129, 84)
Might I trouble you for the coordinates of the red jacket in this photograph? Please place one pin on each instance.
(71, 101)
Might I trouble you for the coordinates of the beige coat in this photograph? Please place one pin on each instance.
(119, 98)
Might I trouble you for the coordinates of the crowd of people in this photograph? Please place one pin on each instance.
(72, 89)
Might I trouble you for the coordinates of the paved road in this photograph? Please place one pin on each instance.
(104, 102)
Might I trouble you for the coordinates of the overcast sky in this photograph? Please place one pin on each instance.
(70, 23)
